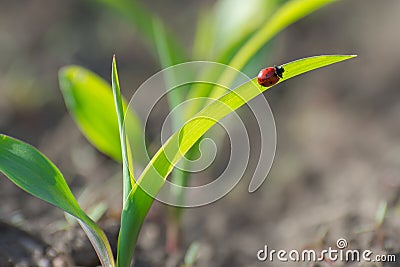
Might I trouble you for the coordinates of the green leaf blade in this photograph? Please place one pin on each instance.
(304, 65)
(30, 170)
(125, 240)
(34, 173)
(126, 174)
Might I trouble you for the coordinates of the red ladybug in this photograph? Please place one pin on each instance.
(270, 76)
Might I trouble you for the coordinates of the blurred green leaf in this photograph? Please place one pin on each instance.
(204, 39)
(222, 30)
(154, 175)
(143, 19)
(381, 214)
(191, 254)
(236, 19)
(89, 100)
(33, 172)
(286, 15)
(175, 97)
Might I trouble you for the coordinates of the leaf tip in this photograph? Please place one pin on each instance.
(114, 72)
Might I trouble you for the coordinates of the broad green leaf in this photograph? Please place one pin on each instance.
(154, 175)
(33, 172)
(89, 100)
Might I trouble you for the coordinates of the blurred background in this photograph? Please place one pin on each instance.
(336, 169)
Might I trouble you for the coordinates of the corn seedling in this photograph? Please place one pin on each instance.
(233, 32)
(33, 172)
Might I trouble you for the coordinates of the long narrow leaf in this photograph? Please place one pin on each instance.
(33, 172)
(154, 175)
(127, 171)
